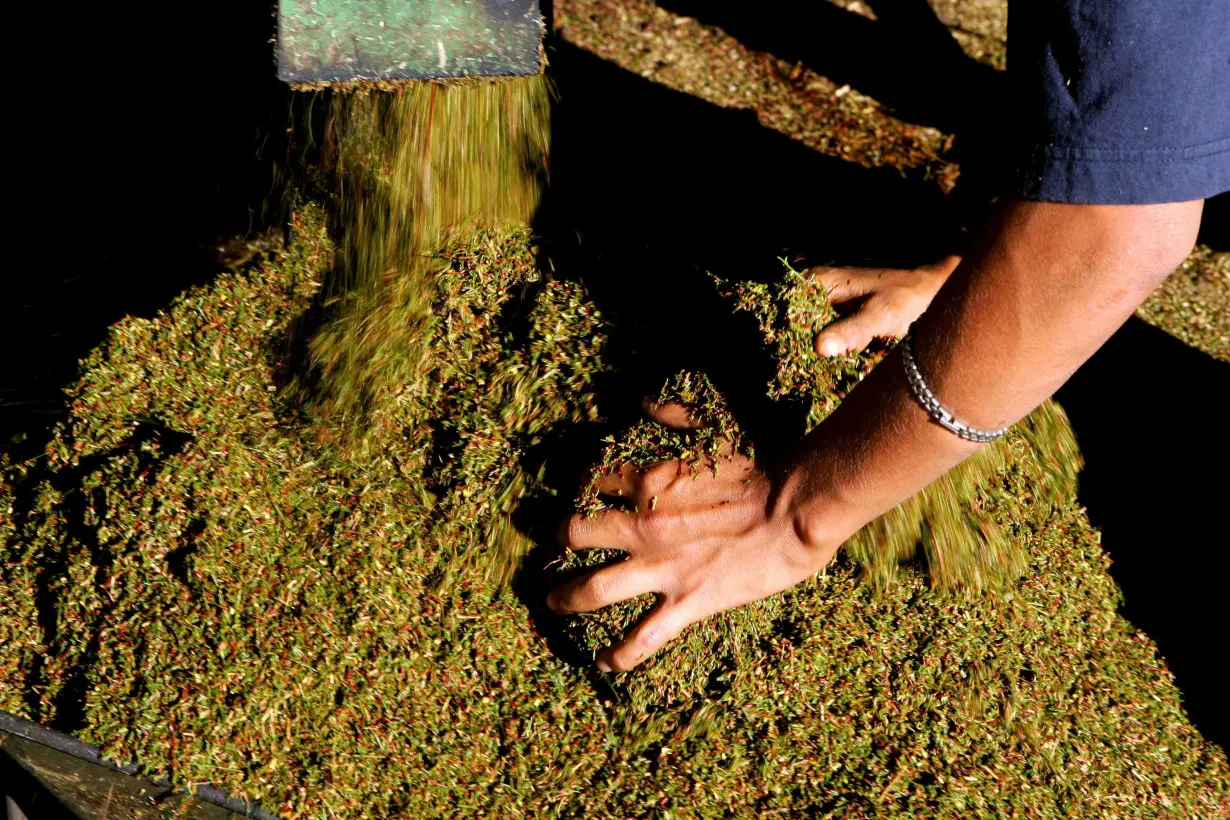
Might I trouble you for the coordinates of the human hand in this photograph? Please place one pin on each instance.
(891, 299)
(703, 541)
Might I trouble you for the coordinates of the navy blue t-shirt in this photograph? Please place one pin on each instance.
(1119, 101)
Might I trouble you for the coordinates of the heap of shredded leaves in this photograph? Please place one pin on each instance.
(193, 579)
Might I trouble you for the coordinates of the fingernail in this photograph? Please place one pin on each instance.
(603, 666)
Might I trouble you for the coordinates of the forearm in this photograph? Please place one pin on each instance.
(1044, 289)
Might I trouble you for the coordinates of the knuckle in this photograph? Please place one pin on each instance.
(657, 528)
(595, 588)
(573, 529)
(658, 479)
(652, 638)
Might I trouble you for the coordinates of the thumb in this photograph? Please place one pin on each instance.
(849, 335)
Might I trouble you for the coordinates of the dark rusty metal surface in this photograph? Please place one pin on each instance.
(52, 775)
(86, 790)
(340, 41)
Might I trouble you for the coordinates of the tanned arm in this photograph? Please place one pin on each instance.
(1045, 288)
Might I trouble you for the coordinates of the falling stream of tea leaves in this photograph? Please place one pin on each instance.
(413, 165)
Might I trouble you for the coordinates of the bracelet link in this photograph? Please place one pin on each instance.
(931, 403)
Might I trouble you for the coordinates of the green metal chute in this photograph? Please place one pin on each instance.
(348, 41)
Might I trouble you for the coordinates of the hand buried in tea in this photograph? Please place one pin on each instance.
(704, 538)
(884, 302)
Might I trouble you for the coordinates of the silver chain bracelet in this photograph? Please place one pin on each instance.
(931, 404)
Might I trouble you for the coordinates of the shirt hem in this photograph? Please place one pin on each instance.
(1110, 176)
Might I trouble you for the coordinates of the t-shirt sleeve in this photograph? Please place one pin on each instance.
(1119, 101)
